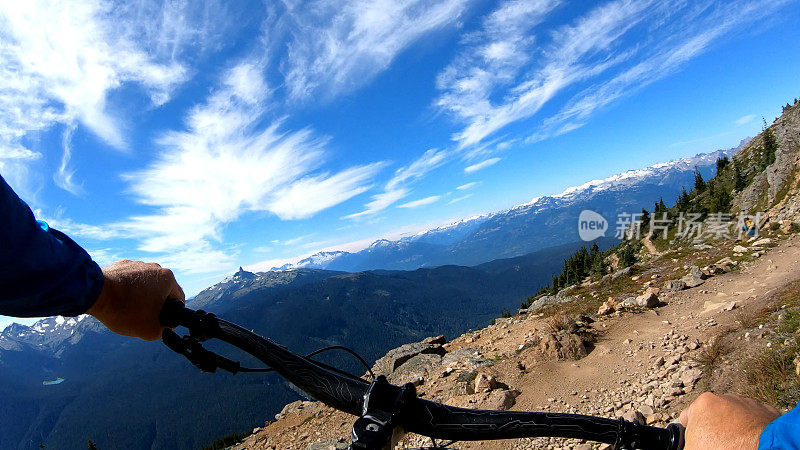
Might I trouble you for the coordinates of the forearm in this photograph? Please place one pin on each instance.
(42, 273)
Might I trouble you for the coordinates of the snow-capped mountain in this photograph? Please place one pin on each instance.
(542, 222)
(48, 334)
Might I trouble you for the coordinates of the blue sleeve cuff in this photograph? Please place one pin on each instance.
(782, 433)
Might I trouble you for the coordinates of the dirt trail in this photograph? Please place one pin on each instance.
(683, 314)
(623, 353)
(650, 246)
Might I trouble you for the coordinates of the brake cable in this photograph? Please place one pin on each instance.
(207, 361)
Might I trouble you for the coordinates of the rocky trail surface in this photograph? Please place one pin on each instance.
(641, 363)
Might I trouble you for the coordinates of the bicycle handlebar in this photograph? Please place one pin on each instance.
(349, 393)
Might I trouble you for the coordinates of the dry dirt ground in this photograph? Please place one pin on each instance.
(644, 361)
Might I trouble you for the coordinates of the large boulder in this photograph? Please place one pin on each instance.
(501, 399)
(648, 300)
(563, 345)
(674, 285)
(485, 382)
(398, 356)
(297, 407)
(460, 355)
(416, 368)
(726, 264)
(547, 301)
(761, 242)
(694, 278)
(608, 307)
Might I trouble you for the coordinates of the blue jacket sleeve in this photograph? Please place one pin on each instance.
(42, 271)
(782, 433)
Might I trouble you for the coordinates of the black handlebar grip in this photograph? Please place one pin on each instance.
(174, 313)
(677, 440)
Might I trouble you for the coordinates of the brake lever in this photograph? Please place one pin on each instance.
(202, 325)
(203, 359)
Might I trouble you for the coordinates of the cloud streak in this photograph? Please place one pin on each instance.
(60, 60)
(337, 46)
(397, 188)
(481, 165)
(744, 119)
(489, 86)
(471, 185)
(421, 202)
(226, 164)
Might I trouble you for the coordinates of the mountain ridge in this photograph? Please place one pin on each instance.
(459, 242)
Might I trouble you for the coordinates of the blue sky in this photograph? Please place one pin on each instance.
(206, 135)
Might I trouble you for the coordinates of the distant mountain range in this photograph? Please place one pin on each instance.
(543, 222)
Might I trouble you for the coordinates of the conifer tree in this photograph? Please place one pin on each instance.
(722, 163)
(770, 149)
(682, 204)
(699, 183)
(645, 219)
(739, 180)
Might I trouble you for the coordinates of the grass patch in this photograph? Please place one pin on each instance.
(747, 320)
(710, 355)
(790, 323)
(771, 376)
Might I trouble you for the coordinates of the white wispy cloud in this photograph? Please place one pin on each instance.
(468, 185)
(745, 119)
(105, 256)
(676, 43)
(639, 41)
(397, 187)
(60, 60)
(225, 164)
(64, 174)
(458, 199)
(481, 165)
(78, 230)
(337, 46)
(421, 202)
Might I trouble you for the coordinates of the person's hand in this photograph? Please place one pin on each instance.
(727, 421)
(132, 297)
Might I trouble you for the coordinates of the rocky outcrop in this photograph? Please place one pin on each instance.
(775, 189)
(397, 357)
